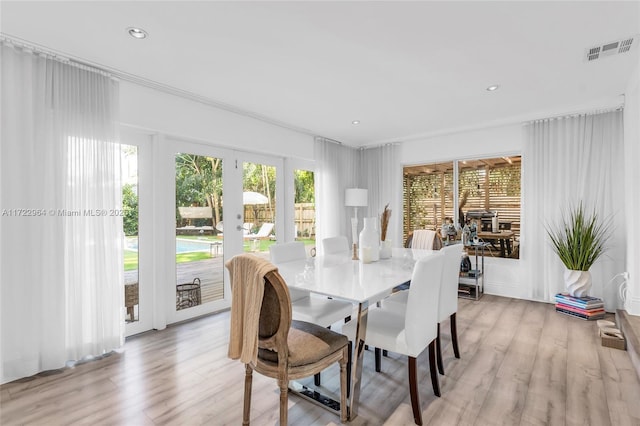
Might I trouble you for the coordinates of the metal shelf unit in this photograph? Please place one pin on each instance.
(471, 286)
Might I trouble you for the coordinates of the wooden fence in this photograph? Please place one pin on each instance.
(305, 217)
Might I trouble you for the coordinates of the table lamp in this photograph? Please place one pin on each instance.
(355, 197)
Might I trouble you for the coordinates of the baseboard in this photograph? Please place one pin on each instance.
(630, 327)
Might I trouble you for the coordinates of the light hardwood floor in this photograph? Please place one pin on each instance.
(522, 364)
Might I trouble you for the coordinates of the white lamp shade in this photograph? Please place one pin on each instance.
(355, 197)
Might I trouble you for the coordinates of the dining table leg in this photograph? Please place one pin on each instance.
(357, 360)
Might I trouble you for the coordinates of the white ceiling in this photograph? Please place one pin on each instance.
(404, 69)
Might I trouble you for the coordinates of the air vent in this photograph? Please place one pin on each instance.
(610, 49)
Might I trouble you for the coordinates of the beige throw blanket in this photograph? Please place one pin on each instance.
(423, 239)
(247, 273)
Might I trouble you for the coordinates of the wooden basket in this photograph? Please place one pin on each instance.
(613, 341)
(130, 295)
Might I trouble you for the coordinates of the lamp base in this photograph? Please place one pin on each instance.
(355, 252)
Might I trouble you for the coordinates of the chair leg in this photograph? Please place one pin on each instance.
(345, 361)
(454, 335)
(316, 377)
(432, 368)
(349, 361)
(439, 352)
(284, 410)
(247, 395)
(378, 357)
(413, 390)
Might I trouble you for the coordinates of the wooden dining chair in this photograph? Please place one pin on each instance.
(413, 331)
(447, 305)
(306, 306)
(286, 349)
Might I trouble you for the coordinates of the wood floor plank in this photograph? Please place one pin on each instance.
(586, 397)
(464, 386)
(506, 398)
(521, 363)
(546, 394)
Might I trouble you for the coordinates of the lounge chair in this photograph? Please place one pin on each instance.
(263, 233)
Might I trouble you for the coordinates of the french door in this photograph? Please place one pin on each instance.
(218, 203)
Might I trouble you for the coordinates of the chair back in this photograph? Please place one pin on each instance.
(287, 252)
(421, 315)
(275, 315)
(335, 245)
(449, 287)
(423, 239)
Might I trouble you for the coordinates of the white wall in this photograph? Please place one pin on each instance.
(502, 276)
(171, 115)
(632, 180)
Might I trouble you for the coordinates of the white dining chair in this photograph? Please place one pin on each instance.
(335, 245)
(448, 303)
(414, 331)
(448, 306)
(306, 306)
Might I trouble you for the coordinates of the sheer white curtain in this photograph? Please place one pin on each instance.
(567, 161)
(335, 171)
(381, 173)
(61, 234)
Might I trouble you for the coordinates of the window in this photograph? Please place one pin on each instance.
(486, 188)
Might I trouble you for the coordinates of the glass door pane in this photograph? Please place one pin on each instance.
(129, 178)
(199, 230)
(259, 200)
(304, 204)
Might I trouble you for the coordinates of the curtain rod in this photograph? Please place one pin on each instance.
(323, 139)
(131, 78)
(38, 50)
(578, 114)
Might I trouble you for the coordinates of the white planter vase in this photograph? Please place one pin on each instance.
(578, 283)
(369, 241)
(385, 249)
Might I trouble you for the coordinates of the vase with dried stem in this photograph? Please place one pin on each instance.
(385, 245)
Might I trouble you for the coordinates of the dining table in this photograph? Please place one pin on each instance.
(364, 284)
(504, 238)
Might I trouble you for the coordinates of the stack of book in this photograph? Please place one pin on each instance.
(587, 307)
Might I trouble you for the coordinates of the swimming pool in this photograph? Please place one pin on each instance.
(182, 245)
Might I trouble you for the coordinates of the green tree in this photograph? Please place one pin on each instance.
(199, 183)
(304, 184)
(130, 209)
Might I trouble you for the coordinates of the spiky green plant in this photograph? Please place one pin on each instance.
(581, 239)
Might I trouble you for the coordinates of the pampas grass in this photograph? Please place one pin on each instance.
(384, 222)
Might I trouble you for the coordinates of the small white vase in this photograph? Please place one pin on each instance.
(578, 283)
(385, 249)
(369, 241)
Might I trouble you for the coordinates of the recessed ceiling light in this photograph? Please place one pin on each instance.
(355, 122)
(137, 32)
(492, 88)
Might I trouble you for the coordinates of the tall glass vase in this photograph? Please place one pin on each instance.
(369, 241)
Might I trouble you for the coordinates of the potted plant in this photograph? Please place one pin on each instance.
(579, 241)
